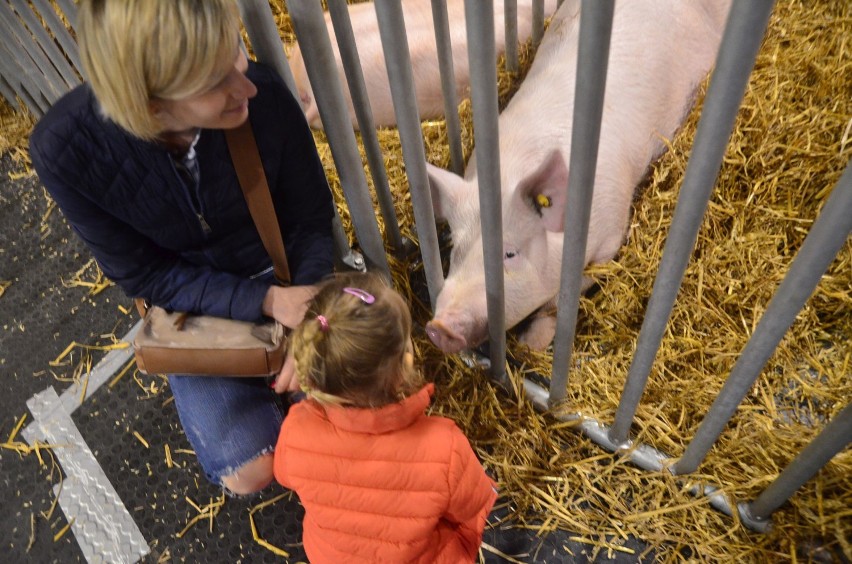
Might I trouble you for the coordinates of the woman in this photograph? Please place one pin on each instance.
(138, 163)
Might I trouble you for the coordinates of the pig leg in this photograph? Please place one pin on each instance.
(542, 328)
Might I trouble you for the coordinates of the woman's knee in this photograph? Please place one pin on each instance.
(251, 477)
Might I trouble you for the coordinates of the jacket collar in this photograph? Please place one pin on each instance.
(385, 419)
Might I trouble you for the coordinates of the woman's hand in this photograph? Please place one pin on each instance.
(288, 304)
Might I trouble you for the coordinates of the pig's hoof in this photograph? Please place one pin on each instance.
(540, 333)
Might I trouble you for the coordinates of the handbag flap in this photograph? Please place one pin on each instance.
(180, 330)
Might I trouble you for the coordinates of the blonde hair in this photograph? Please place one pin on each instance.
(354, 354)
(133, 51)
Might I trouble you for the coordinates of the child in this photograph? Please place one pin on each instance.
(379, 479)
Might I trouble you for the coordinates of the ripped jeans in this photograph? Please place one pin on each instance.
(228, 421)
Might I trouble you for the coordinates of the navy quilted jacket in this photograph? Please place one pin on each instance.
(146, 226)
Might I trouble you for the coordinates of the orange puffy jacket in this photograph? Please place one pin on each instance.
(384, 485)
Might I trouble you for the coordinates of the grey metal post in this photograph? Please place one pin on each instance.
(60, 32)
(833, 438)
(32, 59)
(364, 114)
(8, 92)
(69, 8)
(46, 43)
(479, 19)
(398, 60)
(20, 79)
(265, 41)
(537, 22)
(309, 24)
(448, 84)
(822, 244)
(510, 11)
(592, 62)
(740, 43)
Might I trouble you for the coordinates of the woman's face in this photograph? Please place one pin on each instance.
(222, 106)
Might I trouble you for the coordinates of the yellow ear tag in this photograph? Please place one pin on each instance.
(543, 201)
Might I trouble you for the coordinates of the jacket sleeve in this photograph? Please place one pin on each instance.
(303, 199)
(127, 257)
(472, 494)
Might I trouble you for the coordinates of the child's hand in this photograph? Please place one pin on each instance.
(286, 381)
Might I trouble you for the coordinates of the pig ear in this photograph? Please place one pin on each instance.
(546, 190)
(446, 190)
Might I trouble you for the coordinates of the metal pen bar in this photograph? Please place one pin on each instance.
(743, 34)
(261, 29)
(592, 61)
(265, 41)
(479, 20)
(364, 114)
(309, 24)
(833, 438)
(822, 244)
(20, 78)
(60, 32)
(510, 10)
(8, 92)
(69, 9)
(448, 84)
(537, 22)
(398, 60)
(32, 59)
(47, 45)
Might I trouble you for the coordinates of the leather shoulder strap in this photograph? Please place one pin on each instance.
(246, 158)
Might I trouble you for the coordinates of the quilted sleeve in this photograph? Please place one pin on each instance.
(472, 493)
(134, 262)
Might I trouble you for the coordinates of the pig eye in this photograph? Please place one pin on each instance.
(510, 254)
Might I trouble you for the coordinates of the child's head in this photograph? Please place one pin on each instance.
(354, 345)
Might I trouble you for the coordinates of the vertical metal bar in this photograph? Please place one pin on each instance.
(448, 84)
(833, 438)
(537, 22)
(398, 60)
(60, 32)
(479, 19)
(265, 41)
(364, 114)
(822, 244)
(592, 61)
(743, 34)
(309, 24)
(510, 10)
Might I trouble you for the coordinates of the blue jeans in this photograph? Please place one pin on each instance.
(228, 421)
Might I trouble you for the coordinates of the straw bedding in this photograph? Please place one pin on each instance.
(792, 139)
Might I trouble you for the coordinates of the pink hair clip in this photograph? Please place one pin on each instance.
(323, 323)
(365, 297)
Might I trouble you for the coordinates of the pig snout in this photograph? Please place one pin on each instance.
(445, 338)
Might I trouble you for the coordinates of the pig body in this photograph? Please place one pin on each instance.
(660, 51)
(420, 31)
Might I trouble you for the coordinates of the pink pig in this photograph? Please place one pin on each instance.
(660, 51)
(424, 57)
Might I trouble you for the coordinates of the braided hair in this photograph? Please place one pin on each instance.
(351, 352)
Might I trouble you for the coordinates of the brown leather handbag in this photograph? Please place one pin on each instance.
(184, 343)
